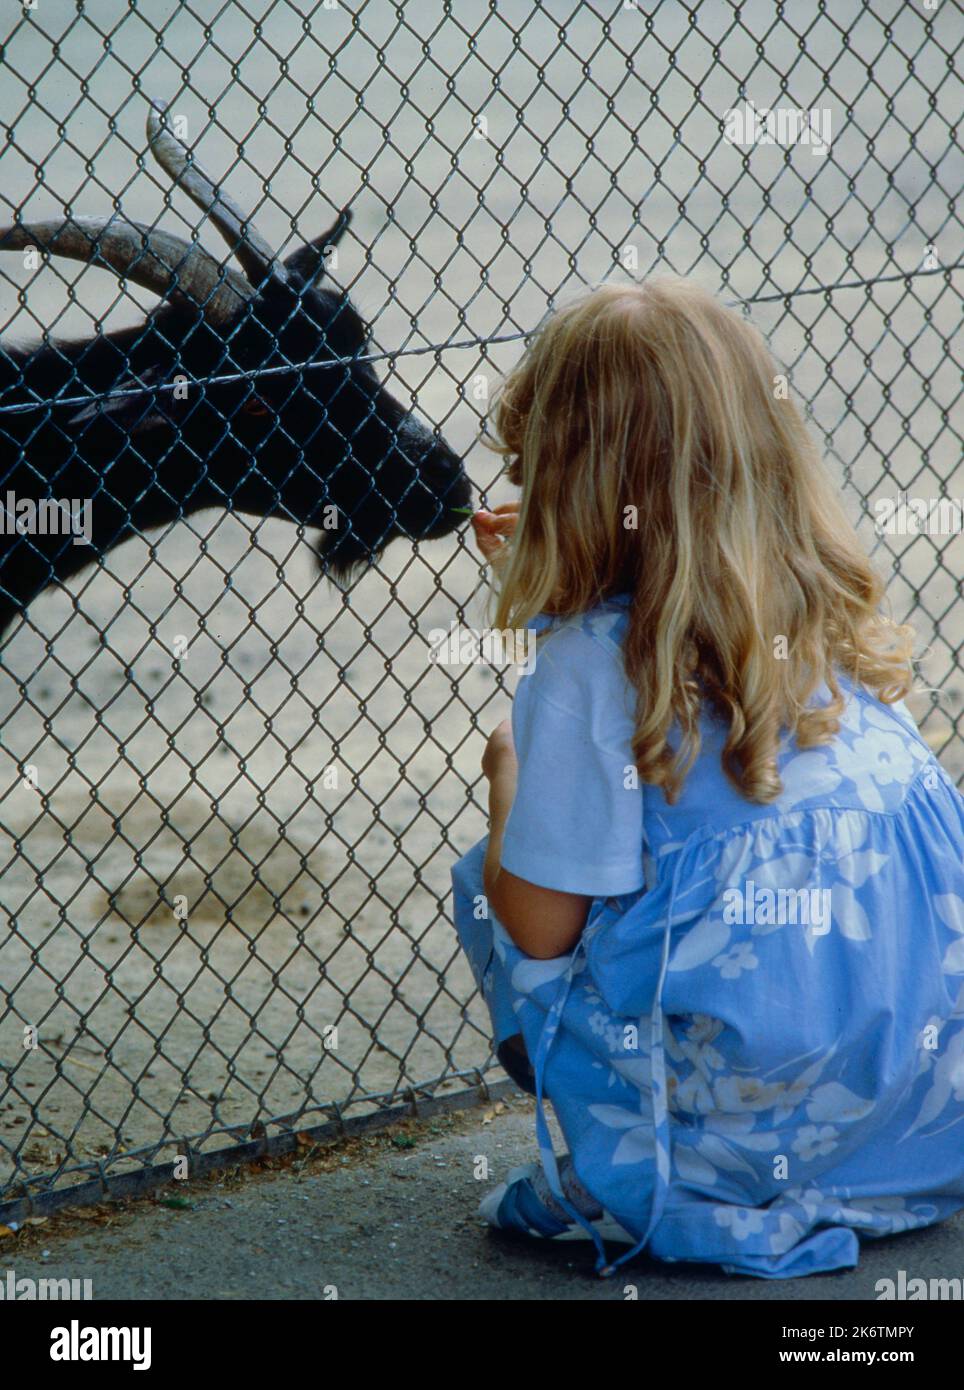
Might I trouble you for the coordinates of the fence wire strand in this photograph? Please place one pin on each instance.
(301, 368)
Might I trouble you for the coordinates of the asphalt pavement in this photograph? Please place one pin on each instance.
(393, 1216)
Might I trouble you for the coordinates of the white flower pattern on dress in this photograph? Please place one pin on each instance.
(737, 958)
(815, 1141)
(742, 1221)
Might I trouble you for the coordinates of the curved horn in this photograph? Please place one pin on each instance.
(253, 253)
(166, 264)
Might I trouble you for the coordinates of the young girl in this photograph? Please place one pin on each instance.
(719, 917)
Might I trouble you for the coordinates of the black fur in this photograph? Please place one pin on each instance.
(288, 445)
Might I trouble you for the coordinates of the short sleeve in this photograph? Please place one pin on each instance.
(576, 823)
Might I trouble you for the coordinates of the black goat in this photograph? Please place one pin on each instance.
(327, 447)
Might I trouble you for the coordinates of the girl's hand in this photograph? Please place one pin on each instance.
(490, 526)
(499, 752)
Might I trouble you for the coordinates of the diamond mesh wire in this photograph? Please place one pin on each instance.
(198, 723)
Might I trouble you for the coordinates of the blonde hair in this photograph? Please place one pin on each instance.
(656, 402)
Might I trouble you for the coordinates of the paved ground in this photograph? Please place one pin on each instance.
(389, 1217)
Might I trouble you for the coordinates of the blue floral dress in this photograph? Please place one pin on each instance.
(756, 1050)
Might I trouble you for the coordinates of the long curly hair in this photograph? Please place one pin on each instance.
(659, 454)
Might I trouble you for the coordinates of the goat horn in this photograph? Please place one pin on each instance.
(251, 250)
(166, 264)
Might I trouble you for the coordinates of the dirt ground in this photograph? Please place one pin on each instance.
(313, 906)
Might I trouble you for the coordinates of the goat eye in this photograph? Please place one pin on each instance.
(255, 406)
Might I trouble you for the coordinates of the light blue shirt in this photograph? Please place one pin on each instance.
(576, 823)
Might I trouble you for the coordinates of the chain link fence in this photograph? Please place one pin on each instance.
(230, 791)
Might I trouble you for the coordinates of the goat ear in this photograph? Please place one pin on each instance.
(306, 266)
